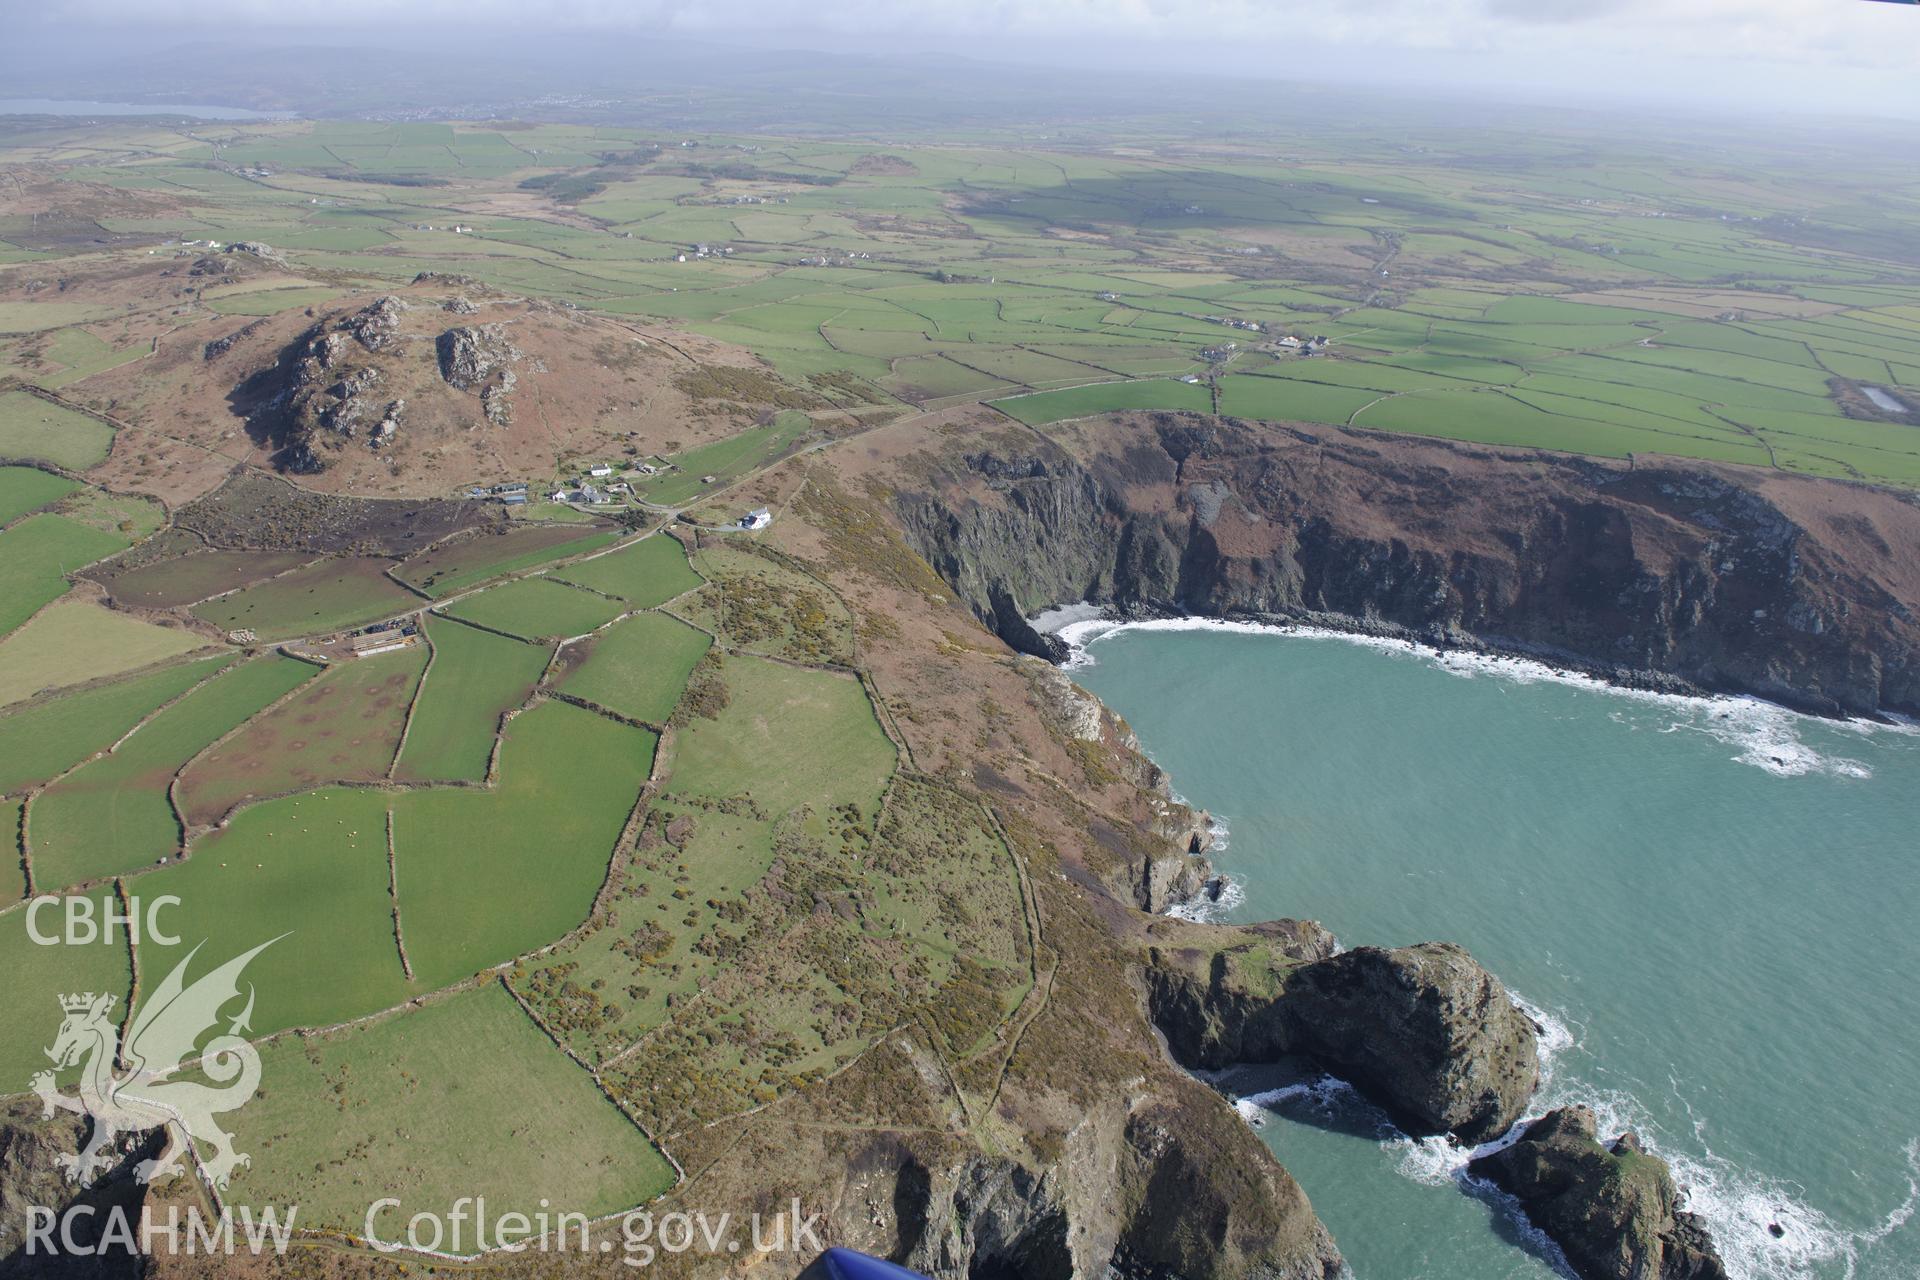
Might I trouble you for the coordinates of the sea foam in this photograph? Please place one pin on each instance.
(1761, 1225)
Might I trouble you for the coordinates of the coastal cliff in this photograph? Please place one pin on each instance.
(1677, 576)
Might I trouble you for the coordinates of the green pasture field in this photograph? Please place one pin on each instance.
(725, 460)
(188, 579)
(34, 430)
(311, 867)
(37, 316)
(568, 779)
(343, 727)
(72, 642)
(989, 265)
(82, 354)
(636, 667)
(792, 751)
(1107, 397)
(266, 302)
(112, 815)
(646, 574)
(475, 678)
(37, 554)
(128, 517)
(1290, 399)
(758, 746)
(342, 1111)
(38, 975)
(41, 740)
(469, 559)
(757, 605)
(24, 489)
(324, 597)
(537, 609)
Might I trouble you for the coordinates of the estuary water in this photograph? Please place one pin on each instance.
(1712, 906)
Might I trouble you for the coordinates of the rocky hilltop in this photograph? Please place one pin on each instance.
(1612, 1209)
(1672, 575)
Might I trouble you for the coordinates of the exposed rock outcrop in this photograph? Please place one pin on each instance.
(323, 395)
(469, 354)
(1613, 1210)
(1424, 1031)
(1148, 1188)
(480, 358)
(376, 325)
(30, 1177)
(1662, 574)
(1162, 862)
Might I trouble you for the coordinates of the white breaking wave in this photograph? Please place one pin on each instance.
(1761, 1226)
(1324, 1092)
(1211, 910)
(1764, 736)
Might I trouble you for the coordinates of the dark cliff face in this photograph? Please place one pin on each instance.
(1803, 591)
(1424, 1031)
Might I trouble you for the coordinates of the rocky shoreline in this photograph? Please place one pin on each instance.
(1673, 580)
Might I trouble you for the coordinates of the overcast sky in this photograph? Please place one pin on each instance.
(1849, 55)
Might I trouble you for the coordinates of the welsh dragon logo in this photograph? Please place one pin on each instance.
(138, 1092)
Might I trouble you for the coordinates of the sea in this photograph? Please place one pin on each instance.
(1710, 906)
(72, 107)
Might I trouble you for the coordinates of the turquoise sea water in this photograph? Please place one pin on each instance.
(1713, 907)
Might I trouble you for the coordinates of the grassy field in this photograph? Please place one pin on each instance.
(476, 677)
(343, 727)
(72, 642)
(1020, 272)
(1106, 397)
(312, 867)
(267, 302)
(568, 780)
(112, 815)
(466, 561)
(724, 460)
(636, 667)
(24, 489)
(43, 739)
(792, 763)
(324, 597)
(650, 572)
(537, 609)
(34, 430)
(37, 976)
(37, 554)
(188, 579)
(408, 1098)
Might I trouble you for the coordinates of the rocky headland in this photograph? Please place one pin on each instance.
(1423, 1031)
(1611, 1207)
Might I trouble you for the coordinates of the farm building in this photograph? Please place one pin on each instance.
(758, 518)
(369, 643)
(599, 470)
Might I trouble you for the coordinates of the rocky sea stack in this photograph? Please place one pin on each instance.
(1423, 1031)
(1613, 1210)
